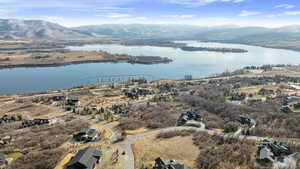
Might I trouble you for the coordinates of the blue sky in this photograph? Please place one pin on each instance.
(268, 13)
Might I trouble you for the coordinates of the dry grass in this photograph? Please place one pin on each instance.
(52, 58)
(180, 149)
(105, 132)
(64, 161)
(138, 131)
(255, 89)
(37, 111)
(109, 154)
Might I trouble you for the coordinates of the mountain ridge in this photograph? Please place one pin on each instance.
(15, 29)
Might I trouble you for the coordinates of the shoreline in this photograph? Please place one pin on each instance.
(181, 45)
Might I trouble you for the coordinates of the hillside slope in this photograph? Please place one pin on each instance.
(290, 33)
(12, 29)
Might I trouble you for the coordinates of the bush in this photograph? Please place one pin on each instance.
(231, 127)
(227, 156)
(175, 133)
(38, 160)
(130, 124)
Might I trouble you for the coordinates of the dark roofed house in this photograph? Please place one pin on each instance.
(161, 164)
(269, 151)
(86, 135)
(85, 159)
(188, 116)
(35, 122)
(72, 100)
(58, 98)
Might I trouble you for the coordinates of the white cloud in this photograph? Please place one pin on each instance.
(114, 15)
(178, 16)
(112, 9)
(245, 13)
(291, 13)
(200, 2)
(286, 6)
(5, 11)
(55, 19)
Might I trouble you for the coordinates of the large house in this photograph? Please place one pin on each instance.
(161, 164)
(185, 117)
(85, 159)
(86, 135)
(270, 151)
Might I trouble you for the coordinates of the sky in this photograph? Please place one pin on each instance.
(72, 13)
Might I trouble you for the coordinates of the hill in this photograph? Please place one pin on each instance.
(285, 37)
(12, 29)
(192, 32)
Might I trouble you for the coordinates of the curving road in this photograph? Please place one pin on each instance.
(126, 144)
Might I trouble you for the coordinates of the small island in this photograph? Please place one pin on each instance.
(223, 50)
(178, 45)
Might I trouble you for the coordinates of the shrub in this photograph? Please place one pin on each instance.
(130, 124)
(38, 160)
(175, 133)
(231, 127)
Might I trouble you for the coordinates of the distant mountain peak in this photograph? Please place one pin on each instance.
(35, 30)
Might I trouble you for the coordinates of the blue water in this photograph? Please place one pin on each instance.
(198, 64)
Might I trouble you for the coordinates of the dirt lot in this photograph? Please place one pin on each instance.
(180, 149)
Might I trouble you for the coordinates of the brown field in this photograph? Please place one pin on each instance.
(51, 58)
(138, 131)
(37, 111)
(180, 149)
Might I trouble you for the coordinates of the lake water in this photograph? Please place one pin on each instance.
(198, 64)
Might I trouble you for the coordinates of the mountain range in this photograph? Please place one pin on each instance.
(12, 29)
(218, 33)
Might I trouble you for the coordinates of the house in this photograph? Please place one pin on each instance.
(256, 100)
(86, 135)
(294, 87)
(35, 122)
(269, 151)
(264, 92)
(172, 164)
(244, 121)
(58, 98)
(85, 159)
(5, 140)
(2, 159)
(188, 116)
(291, 107)
(72, 101)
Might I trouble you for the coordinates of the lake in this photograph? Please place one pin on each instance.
(197, 64)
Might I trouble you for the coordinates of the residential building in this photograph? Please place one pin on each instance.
(86, 135)
(85, 159)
